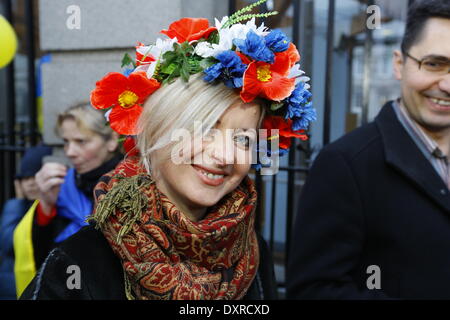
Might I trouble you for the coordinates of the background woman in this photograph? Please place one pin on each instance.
(65, 194)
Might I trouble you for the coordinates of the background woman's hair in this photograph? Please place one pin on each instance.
(87, 119)
(179, 105)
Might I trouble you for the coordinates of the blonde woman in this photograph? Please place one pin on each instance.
(204, 239)
(177, 220)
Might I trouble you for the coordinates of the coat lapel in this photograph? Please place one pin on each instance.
(402, 153)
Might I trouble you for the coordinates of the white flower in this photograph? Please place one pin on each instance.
(205, 49)
(226, 37)
(164, 45)
(107, 114)
(151, 69)
(297, 73)
(157, 51)
(219, 24)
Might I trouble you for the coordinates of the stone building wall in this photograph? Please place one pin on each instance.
(85, 39)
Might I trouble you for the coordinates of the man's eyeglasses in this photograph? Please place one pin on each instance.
(436, 65)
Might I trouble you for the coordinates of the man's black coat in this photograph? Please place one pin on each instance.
(372, 199)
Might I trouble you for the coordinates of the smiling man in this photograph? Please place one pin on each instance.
(425, 82)
(374, 216)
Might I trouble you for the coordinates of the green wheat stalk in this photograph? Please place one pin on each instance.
(253, 15)
(238, 16)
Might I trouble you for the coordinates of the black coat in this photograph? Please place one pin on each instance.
(372, 198)
(102, 276)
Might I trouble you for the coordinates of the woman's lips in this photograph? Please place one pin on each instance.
(210, 177)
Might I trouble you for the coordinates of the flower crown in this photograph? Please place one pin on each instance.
(257, 62)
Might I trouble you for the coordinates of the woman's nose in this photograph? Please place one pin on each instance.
(222, 149)
(71, 150)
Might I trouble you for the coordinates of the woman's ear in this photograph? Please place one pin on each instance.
(113, 143)
(397, 64)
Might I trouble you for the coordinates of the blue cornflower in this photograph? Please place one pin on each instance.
(307, 115)
(127, 72)
(277, 41)
(296, 101)
(213, 72)
(230, 69)
(299, 108)
(255, 47)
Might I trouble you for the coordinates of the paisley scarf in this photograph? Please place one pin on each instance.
(167, 256)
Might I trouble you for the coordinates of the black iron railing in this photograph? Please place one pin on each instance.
(17, 134)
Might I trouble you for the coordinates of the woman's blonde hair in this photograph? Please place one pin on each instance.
(87, 119)
(178, 106)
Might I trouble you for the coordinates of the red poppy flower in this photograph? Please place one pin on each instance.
(285, 132)
(125, 96)
(143, 57)
(244, 58)
(293, 54)
(268, 80)
(189, 29)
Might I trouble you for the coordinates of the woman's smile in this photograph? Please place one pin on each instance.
(211, 177)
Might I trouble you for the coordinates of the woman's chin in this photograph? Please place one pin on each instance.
(204, 199)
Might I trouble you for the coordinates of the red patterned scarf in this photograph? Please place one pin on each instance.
(167, 256)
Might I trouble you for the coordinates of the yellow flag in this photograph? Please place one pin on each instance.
(24, 265)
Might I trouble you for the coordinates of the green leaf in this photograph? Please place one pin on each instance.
(184, 74)
(208, 62)
(214, 37)
(194, 65)
(169, 57)
(184, 70)
(127, 60)
(276, 105)
(172, 77)
(168, 68)
(185, 46)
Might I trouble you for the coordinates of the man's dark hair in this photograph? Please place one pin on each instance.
(418, 14)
